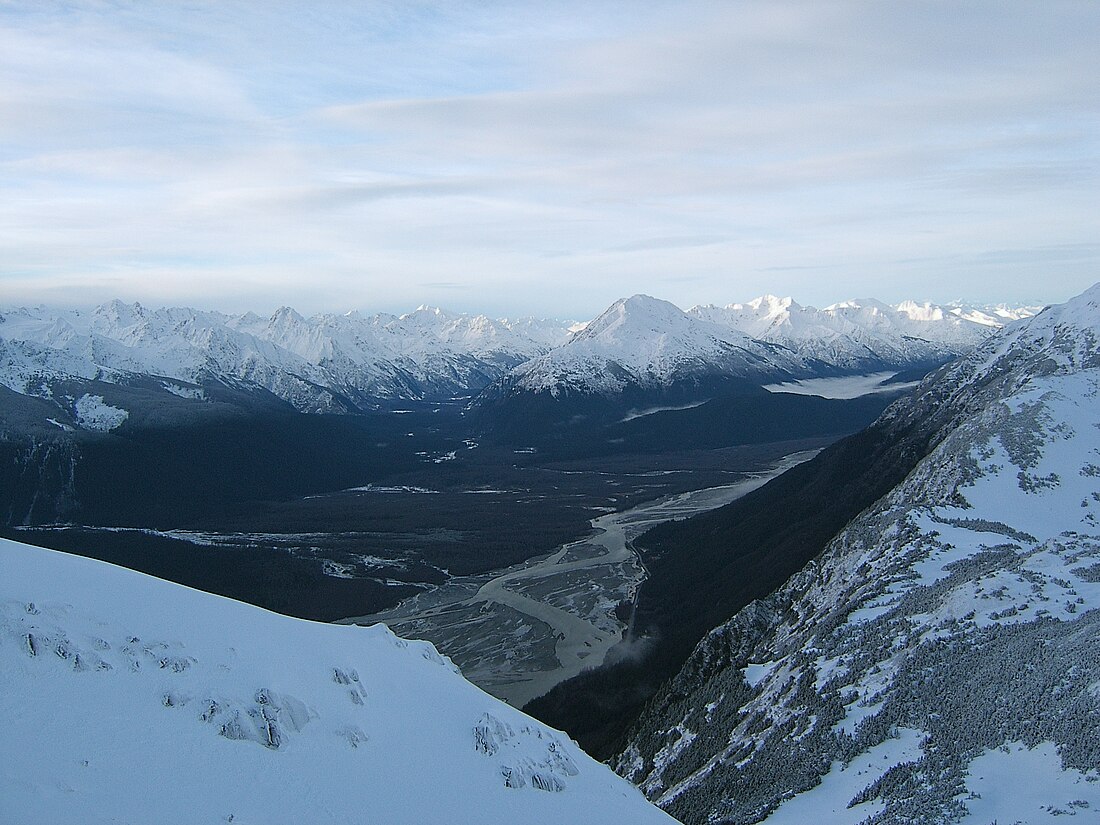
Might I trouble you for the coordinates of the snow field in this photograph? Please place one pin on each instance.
(129, 699)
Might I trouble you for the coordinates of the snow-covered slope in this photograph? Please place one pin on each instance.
(939, 661)
(321, 364)
(865, 334)
(127, 699)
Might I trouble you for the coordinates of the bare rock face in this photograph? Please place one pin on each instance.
(528, 756)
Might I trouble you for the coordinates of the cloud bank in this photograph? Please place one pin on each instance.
(546, 159)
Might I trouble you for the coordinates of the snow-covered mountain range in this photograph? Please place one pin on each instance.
(129, 699)
(327, 363)
(643, 342)
(865, 335)
(938, 662)
(344, 363)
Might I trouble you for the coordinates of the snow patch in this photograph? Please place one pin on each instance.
(1015, 784)
(757, 673)
(194, 393)
(93, 413)
(828, 802)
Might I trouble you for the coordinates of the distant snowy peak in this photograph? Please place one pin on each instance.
(130, 699)
(928, 320)
(657, 327)
(755, 318)
(631, 318)
(644, 341)
(483, 335)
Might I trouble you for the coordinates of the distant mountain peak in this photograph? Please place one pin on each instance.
(642, 306)
(288, 313)
(636, 313)
(771, 303)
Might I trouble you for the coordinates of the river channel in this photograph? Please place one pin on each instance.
(518, 632)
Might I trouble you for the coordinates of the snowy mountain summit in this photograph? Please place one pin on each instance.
(645, 341)
(939, 661)
(129, 699)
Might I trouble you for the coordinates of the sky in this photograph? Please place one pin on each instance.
(547, 158)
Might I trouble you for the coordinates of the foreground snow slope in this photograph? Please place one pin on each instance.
(128, 699)
(944, 646)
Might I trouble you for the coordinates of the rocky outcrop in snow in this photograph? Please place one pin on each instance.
(529, 756)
